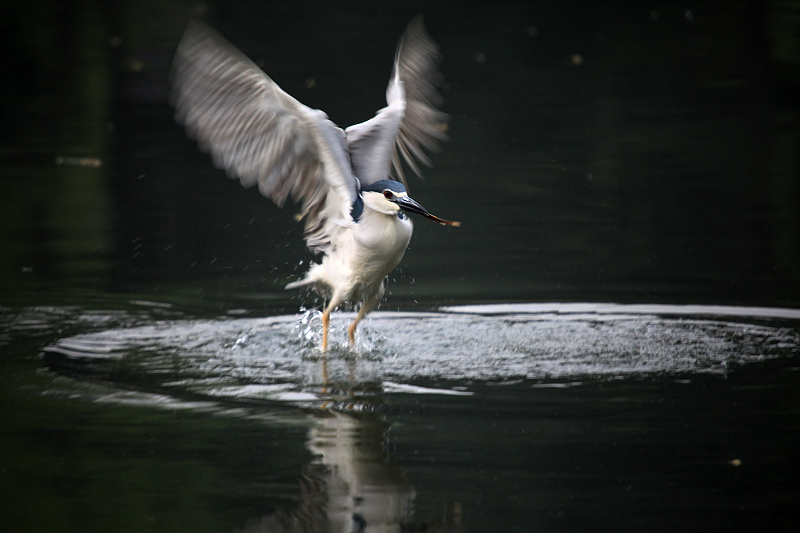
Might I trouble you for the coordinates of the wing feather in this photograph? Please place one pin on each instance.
(411, 123)
(260, 134)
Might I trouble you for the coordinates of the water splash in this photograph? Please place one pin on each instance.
(308, 327)
(278, 358)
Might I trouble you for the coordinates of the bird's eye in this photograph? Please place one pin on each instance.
(388, 194)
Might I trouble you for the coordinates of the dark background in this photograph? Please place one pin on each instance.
(599, 151)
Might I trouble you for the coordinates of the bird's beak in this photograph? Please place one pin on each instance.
(407, 204)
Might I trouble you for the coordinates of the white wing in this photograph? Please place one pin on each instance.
(411, 122)
(260, 134)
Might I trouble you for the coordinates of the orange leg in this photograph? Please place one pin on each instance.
(326, 322)
(351, 331)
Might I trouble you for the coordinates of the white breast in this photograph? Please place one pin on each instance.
(380, 242)
(360, 259)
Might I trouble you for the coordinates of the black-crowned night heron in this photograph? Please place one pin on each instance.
(354, 211)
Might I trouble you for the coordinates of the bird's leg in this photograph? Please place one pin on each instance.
(326, 322)
(336, 299)
(366, 307)
(351, 332)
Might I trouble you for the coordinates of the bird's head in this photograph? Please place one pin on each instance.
(390, 197)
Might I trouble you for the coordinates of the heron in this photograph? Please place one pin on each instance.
(350, 184)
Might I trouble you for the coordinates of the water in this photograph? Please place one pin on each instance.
(278, 358)
(562, 415)
(609, 342)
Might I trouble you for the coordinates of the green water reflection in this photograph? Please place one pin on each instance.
(95, 467)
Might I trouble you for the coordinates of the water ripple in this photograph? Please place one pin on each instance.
(278, 359)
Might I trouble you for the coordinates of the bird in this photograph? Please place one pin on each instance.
(350, 184)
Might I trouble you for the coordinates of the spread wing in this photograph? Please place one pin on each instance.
(260, 134)
(411, 123)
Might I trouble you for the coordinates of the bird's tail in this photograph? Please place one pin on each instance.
(305, 282)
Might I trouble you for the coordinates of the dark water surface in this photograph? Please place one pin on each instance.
(565, 417)
(641, 157)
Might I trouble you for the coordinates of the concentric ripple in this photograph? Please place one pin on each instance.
(277, 358)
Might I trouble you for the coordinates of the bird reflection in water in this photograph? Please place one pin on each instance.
(351, 486)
